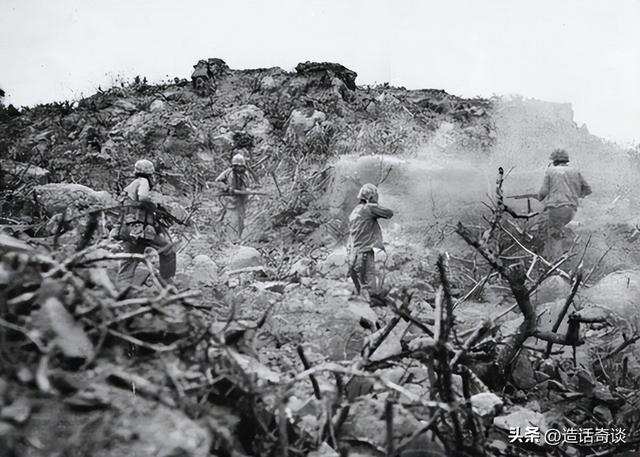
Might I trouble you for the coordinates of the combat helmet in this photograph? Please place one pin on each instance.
(559, 155)
(369, 193)
(238, 159)
(144, 167)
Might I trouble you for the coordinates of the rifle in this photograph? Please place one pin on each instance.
(240, 192)
(165, 218)
(522, 196)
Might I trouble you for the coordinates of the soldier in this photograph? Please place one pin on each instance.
(364, 235)
(140, 228)
(561, 189)
(237, 180)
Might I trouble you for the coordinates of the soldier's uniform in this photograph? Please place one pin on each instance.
(560, 192)
(364, 235)
(237, 178)
(139, 228)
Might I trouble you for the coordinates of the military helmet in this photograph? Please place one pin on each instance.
(368, 192)
(238, 159)
(144, 167)
(559, 155)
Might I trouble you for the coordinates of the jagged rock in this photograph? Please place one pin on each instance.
(157, 105)
(25, 170)
(58, 197)
(327, 70)
(523, 374)
(205, 270)
(268, 83)
(122, 106)
(17, 412)
(366, 423)
(603, 414)
(523, 418)
(57, 324)
(243, 258)
(390, 346)
(301, 121)
(248, 118)
(486, 404)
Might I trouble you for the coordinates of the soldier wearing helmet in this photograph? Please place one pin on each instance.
(236, 180)
(364, 235)
(139, 228)
(561, 190)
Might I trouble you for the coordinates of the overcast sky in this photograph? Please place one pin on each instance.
(586, 52)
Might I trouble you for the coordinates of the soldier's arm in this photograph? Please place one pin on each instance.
(544, 189)
(144, 191)
(585, 188)
(222, 177)
(380, 211)
(222, 180)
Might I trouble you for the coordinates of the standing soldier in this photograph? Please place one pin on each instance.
(236, 182)
(561, 189)
(140, 228)
(364, 235)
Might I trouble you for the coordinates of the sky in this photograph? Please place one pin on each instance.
(583, 52)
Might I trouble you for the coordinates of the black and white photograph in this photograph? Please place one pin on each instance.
(324, 228)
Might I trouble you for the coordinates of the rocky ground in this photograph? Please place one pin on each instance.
(262, 347)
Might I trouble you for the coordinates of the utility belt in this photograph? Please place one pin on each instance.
(137, 222)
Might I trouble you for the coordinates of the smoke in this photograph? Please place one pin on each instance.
(442, 182)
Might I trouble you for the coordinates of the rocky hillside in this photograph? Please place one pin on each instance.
(261, 348)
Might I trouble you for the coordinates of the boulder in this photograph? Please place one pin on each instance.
(157, 105)
(551, 289)
(205, 270)
(58, 197)
(617, 293)
(248, 118)
(243, 258)
(336, 263)
(301, 121)
(486, 404)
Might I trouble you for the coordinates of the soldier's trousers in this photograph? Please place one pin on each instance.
(363, 271)
(558, 218)
(127, 270)
(237, 206)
